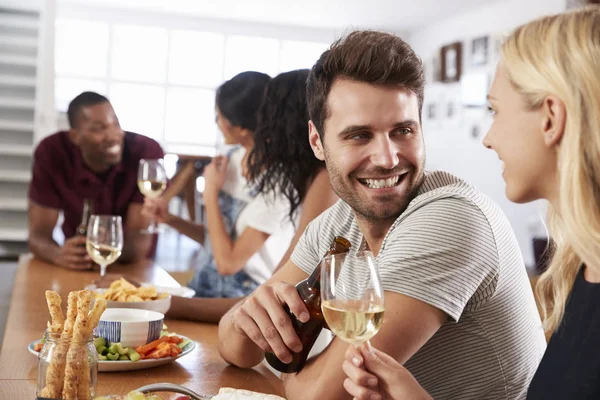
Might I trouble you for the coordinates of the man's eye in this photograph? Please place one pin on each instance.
(491, 110)
(359, 136)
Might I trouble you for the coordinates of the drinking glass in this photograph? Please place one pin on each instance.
(104, 242)
(352, 296)
(152, 182)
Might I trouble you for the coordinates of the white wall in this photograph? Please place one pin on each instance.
(450, 145)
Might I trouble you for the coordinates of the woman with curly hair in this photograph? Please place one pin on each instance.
(282, 160)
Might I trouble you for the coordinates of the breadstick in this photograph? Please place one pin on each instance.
(97, 310)
(58, 319)
(55, 372)
(83, 390)
(77, 351)
(71, 314)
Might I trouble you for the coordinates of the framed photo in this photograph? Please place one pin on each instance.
(451, 62)
(480, 51)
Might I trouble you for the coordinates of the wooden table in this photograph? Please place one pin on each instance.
(203, 370)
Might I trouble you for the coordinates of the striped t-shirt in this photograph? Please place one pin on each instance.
(454, 249)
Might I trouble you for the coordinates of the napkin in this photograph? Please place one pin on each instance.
(238, 394)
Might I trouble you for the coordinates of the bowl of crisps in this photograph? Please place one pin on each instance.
(123, 294)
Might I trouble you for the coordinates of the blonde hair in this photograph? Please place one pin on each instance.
(560, 55)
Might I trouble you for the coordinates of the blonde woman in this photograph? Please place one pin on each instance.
(546, 103)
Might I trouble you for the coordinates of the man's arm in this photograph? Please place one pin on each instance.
(408, 325)
(136, 244)
(235, 346)
(42, 221)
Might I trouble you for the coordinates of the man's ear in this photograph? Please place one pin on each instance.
(74, 136)
(555, 117)
(315, 141)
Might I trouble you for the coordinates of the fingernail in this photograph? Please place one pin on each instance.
(304, 317)
(287, 359)
(375, 397)
(372, 382)
(297, 349)
(356, 361)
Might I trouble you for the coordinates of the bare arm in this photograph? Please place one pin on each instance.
(136, 244)
(230, 256)
(319, 198)
(235, 346)
(408, 325)
(190, 229)
(42, 221)
(201, 309)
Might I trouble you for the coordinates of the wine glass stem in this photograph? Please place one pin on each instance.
(102, 269)
(369, 347)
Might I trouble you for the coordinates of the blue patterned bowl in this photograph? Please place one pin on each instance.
(129, 326)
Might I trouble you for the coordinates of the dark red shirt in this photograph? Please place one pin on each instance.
(61, 180)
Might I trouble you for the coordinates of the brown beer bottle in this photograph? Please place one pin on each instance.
(88, 210)
(310, 292)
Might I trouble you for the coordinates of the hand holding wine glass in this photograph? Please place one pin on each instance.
(152, 182)
(352, 296)
(104, 242)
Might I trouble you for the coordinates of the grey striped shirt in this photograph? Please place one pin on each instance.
(454, 249)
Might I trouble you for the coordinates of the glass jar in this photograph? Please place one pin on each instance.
(67, 368)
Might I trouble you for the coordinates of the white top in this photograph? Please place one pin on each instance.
(267, 213)
(454, 249)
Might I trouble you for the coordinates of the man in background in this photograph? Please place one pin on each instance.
(94, 160)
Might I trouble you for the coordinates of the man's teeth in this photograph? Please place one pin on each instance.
(114, 149)
(382, 183)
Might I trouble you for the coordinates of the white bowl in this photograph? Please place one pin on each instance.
(160, 305)
(131, 327)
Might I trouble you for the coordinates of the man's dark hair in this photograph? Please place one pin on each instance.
(85, 99)
(238, 99)
(365, 56)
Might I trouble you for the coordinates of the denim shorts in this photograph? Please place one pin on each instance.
(207, 282)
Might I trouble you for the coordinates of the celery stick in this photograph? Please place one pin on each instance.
(99, 341)
(123, 357)
(112, 356)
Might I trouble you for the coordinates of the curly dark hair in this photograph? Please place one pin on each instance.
(282, 158)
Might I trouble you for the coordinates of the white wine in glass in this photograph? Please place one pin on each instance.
(152, 182)
(104, 241)
(352, 296)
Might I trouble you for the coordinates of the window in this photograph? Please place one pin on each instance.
(161, 80)
(139, 53)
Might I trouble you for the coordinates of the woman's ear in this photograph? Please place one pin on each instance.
(555, 118)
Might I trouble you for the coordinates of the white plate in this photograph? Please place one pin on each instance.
(126, 365)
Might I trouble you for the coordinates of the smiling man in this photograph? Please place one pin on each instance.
(94, 160)
(459, 311)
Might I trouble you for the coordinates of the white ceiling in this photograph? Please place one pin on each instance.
(335, 14)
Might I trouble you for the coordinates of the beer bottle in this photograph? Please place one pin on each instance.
(310, 292)
(88, 210)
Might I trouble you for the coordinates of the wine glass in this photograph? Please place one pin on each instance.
(152, 182)
(104, 242)
(352, 296)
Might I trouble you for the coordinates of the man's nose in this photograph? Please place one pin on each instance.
(385, 153)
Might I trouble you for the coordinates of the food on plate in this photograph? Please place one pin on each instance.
(166, 346)
(239, 394)
(114, 351)
(133, 395)
(122, 290)
(68, 374)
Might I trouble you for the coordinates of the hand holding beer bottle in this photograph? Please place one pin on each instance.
(284, 320)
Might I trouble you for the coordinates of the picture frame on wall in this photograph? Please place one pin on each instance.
(480, 51)
(451, 56)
